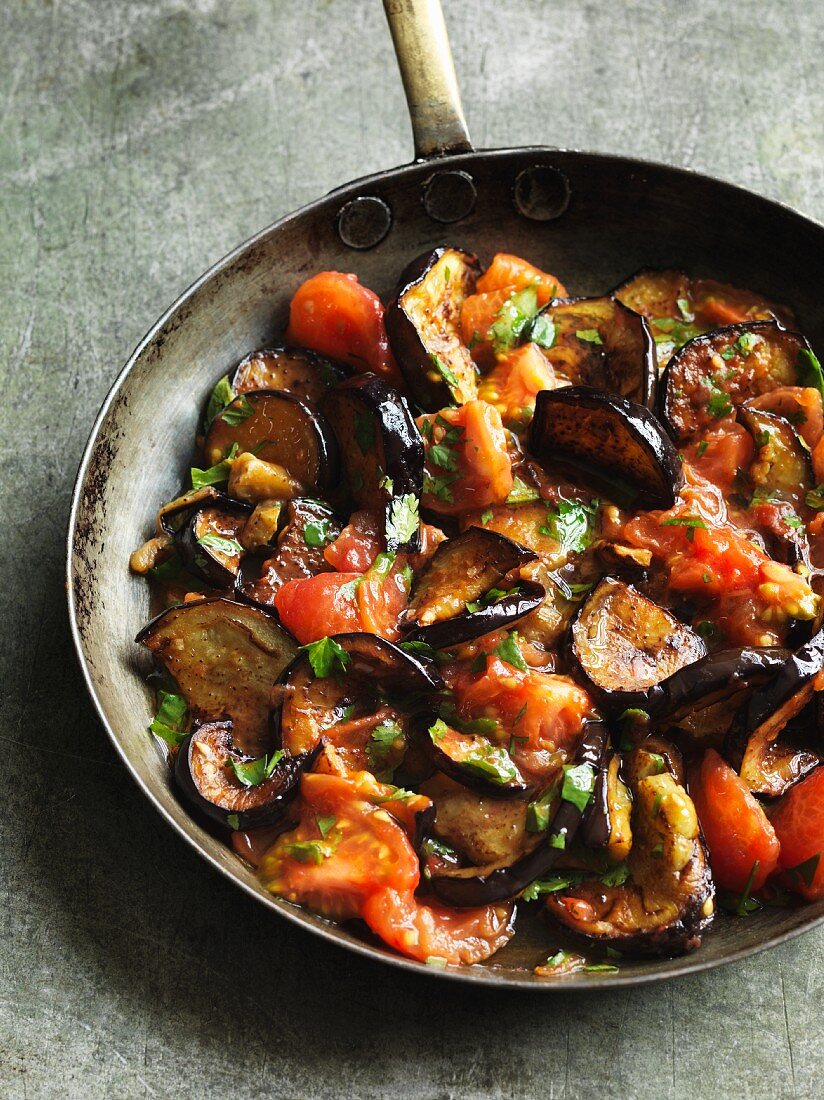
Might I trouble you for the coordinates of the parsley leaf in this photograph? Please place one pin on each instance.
(552, 885)
(578, 784)
(215, 474)
(326, 657)
(169, 722)
(441, 454)
(542, 331)
(719, 404)
(403, 519)
(221, 396)
(308, 851)
(538, 812)
(444, 370)
(382, 743)
(325, 824)
(808, 370)
(418, 649)
(252, 772)
(488, 515)
(521, 493)
(806, 871)
(512, 318)
(317, 534)
(617, 876)
(570, 524)
(229, 547)
(509, 650)
(240, 409)
(589, 335)
(690, 522)
(364, 431)
(815, 498)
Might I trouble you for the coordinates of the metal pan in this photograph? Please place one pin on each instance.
(593, 218)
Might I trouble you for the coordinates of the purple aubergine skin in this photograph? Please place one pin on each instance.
(404, 338)
(643, 439)
(444, 763)
(793, 676)
(199, 560)
(595, 827)
(372, 660)
(288, 771)
(315, 425)
(290, 369)
(468, 625)
(399, 436)
(507, 882)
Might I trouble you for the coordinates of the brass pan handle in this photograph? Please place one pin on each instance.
(428, 74)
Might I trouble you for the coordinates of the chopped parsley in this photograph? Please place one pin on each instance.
(727, 354)
(521, 493)
(746, 342)
(692, 523)
(617, 876)
(552, 885)
(809, 370)
(326, 657)
(589, 335)
(252, 772)
(317, 533)
(241, 409)
(538, 812)
(308, 851)
(364, 429)
(326, 824)
(684, 309)
(488, 515)
(510, 651)
(578, 785)
(513, 318)
(169, 722)
(542, 331)
(220, 545)
(444, 371)
(719, 404)
(419, 649)
(221, 396)
(815, 498)
(403, 519)
(216, 474)
(706, 629)
(570, 524)
(806, 870)
(701, 448)
(382, 743)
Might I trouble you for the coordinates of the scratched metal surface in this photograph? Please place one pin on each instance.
(138, 142)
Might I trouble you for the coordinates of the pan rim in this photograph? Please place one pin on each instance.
(478, 975)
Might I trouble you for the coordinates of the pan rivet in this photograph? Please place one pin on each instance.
(364, 222)
(541, 193)
(449, 196)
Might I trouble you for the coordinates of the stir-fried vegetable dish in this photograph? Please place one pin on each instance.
(494, 599)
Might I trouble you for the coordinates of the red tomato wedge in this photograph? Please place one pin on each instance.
(508, 272)
(737, 831)
(314, 607)
(382, 594)
(358, 544)
(467, 463)
(723, 452)
(516, 381)
(343, 850)
(333, 314)
(434, 933)
(798, 820)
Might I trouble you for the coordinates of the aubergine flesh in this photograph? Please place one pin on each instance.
(423, 326)
(294, 370)
(624, 644)
(470, 587)
(712, 375)
(224, 657)
(471, 759)
(782, 463)
(307, 528)
(606, 823)
(599, 342)
(383, 454)
(280, 429)
(604, 436)
(667, 902)
(206, 777)
(209, 540)
(471, 886)
(482, 828)
(367, 673)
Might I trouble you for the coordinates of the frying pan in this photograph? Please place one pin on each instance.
(593, 218)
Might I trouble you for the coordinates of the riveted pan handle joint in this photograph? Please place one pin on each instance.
(428, 74)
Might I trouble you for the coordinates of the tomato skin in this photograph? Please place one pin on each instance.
(314, 607)
(516, 381)
(424, 932)
(735, 827)
(721, 452)
(511, 273)
(364, 850)
(481, 469)
(358, 544)
(333, 314)
(798, 820)
(382, 595)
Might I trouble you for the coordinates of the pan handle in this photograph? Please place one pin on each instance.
(428, 74)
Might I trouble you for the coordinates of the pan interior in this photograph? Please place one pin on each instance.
(621, 215)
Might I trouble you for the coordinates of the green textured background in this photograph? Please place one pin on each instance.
(138, 142)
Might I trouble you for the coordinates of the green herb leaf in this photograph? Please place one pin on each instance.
(806, 871)
(570, 523)
(382, 744)
(326, 657)
(706, 629)
(442, 455)
(719, 404)
(169, 722)
(521, 493)
(746, 342)
(489, 514)
(578, 785)
(221, 396)
(326, 824)
(542, 331)
(589, 335)
(419, 649)
(233, 821)
(657, 760)
(364, 431)
(230, 547)
(444, 370)
(510, 651)
(617, 876)
(215, 475)
(728, 353)
(600, 968)
(692, 523)
(512, 318)
(308, 851)
(684, 309)
(552, 885)
(317, 533)
(808, 370)
(403, 519)
(252, 772)
(701, 448)
(538, 812)
(438, 730)
(241, 409)
(815, 498)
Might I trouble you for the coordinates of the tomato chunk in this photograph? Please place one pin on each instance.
(737, 831)
(508, 272)
(435, 932)
(467, 462)
(516, 381)
(382, 595)
(723, 451)
(358, 544)
(343, 850)
(798, 820)
(314, 607)
(333, 314)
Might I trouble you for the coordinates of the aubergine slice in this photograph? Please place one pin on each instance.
(482, 829)
(293, 370)
(470, 758)
(365, 672)
(209, 539)
(469, 886)
(224, 657)
(383, 454)
(610, 440)
(601, 343)
(307, 528)
(782, 463)
(698, 702)
(712, 375)
(668, 900)
(423, 326)
(206, 777)
(606, 823)
(679, 307)
(623, 644)
(470, 587)
(768, 766)
(279, 428)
